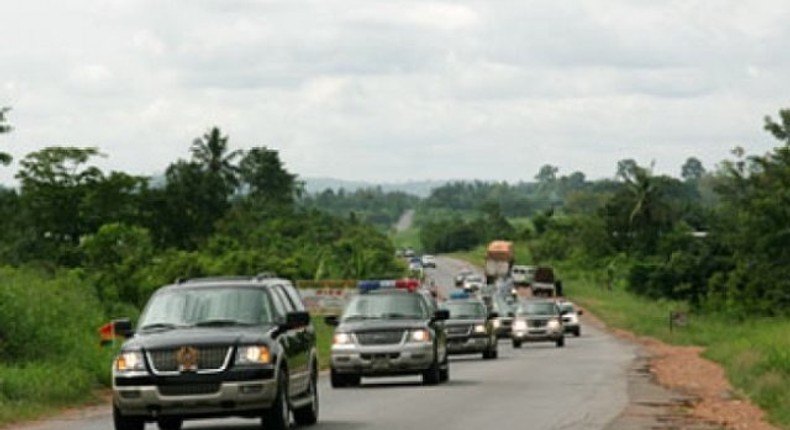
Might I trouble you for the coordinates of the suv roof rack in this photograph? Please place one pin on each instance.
(259, 277)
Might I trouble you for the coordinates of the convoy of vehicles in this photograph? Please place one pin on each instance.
(218, 348)
(245, 346)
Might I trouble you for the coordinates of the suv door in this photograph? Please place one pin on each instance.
(294, 341)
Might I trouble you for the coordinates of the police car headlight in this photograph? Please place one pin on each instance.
(480, 328)
(421, 335)
(553, 324)
(130, 361)
(253, 354)
(342, 339)
(520, 325)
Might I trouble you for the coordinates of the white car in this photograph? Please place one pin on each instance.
(473, 283)
(570, 318)
(523, 275)
(428, 261)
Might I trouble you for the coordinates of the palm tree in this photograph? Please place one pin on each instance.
(210, 152)
(5, 158)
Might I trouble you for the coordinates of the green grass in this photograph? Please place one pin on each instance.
(754, 353)
(323, 335)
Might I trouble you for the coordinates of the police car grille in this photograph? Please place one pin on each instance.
(208, 358)
(458, 330)
(194, 389)
(380, 337)
(537, 323)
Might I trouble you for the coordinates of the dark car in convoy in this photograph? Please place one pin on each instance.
(504, 309)
(391, 328)
(218, 347)
(538, 320)
(470, 328)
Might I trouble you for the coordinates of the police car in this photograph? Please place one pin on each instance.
(470, 329)
(390, 328)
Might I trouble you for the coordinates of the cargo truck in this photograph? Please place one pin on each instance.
(499, 260)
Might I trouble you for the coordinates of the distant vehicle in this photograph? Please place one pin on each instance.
(544, 283)
(409, 253)
(391, 328)
(538, 320)
(428, 261)
(459, 278)
(523, 275)
(415, 264)
(570, 318)
(499, 260)
(204, 344)
(470, 328)
(473, 283)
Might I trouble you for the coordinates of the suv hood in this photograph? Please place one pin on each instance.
(463, 322)
(196, 336)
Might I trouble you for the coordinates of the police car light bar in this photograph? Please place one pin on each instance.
(404, 284)
(459, 295)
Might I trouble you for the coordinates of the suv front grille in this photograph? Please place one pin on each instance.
(389, 337)
(189, 389)
(459, 330)
(537, 323)
(209, 358)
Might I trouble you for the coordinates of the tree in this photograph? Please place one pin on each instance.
(780, 131)
(211, 153)
(5, 158)
(692, 170)
(547, 174)
(626, 168)
(262, 172)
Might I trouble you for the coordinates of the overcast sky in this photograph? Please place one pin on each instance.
(397, 90)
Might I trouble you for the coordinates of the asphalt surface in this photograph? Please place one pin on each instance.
(581, 386)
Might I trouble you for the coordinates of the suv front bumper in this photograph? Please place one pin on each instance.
(467, 345)
(383, 360)
(537, 334)
(194, 396)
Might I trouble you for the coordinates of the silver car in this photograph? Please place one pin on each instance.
(538, 321)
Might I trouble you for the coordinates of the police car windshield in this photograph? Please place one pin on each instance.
(537, 308)
(385, 306)
(221, 306)
(465, 310)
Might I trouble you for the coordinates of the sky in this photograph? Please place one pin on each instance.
(391, 91)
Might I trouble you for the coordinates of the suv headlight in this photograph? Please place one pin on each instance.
(253, 354)
(554, 323)
(421, 335)
(480, 328)
(342, 339)
(129, 361)
(519, 325)
(496, 322)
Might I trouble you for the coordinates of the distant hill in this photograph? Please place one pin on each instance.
(417, 188)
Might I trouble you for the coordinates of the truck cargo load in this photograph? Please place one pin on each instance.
(499, 260)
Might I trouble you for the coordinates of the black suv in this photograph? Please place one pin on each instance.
(389, 332)
(218, 347)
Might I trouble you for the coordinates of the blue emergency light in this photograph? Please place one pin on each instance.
(459, 295)
(372, 285)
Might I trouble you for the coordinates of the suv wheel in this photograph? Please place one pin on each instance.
(577, 332)
(170, 423)
(561, 342)
(278, 416)
(516, 343)
(126, 423)
(432, 376)
(444, 371)
(308, 415)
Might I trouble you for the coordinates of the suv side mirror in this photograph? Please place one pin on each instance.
(331, 320)
(297, 319)
(493, 315)
(441, 315)
(123, 327)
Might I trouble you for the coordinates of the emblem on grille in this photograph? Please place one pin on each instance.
(187, 358)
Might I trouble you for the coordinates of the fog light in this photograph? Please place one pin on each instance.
(251, 389)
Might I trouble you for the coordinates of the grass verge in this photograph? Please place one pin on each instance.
(323, 334)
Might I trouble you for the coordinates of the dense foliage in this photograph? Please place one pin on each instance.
(368, 205)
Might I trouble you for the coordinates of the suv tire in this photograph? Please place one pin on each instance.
(126, 423)
(577, 332)
(561, 342)
(170, 423)
(516, 343)
(432, 376)
(444, 372)
(278, 416)
(308, 415)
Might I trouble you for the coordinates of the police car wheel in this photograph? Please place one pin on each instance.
(561, 342)
(444, 372)
(577, 332)
(516, 343)
(170, 423)
(126, 423)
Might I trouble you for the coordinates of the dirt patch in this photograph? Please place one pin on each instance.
(698, 396)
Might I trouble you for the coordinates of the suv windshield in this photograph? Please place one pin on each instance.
(537, 308)
(566, 307)
(220, 306)
(385, 306)
(465, 310)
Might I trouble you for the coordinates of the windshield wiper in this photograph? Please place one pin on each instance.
(358, 317)
(219, 322)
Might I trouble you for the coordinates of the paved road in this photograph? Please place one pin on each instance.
(582, 386)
